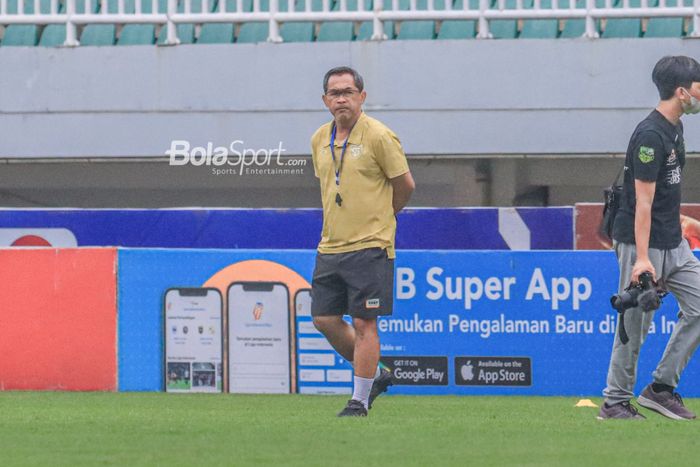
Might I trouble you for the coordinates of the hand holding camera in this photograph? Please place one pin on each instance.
(645, 294)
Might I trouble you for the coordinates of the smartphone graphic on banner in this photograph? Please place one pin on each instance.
(319, 369)
(259, 352)
(193, 336)
(302, 302)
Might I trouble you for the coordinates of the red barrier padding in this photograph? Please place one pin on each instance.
(58, 319)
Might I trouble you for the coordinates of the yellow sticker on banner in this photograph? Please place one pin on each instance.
(586, 403)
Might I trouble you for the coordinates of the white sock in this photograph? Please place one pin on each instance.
(376, 373)
(361, 390)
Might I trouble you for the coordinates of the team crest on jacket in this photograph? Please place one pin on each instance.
(356, 150)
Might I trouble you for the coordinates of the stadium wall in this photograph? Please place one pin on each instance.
(466, 97)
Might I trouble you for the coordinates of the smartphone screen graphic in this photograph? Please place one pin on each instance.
(319, 369)
(193, 340)
(259, 355)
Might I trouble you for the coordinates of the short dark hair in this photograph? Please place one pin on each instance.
(343, 70)
(670, 73)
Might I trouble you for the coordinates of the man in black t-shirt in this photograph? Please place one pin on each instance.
(647, 237)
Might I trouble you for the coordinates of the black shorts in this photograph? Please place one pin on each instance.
(359, 283)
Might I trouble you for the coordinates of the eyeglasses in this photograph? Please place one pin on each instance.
(335, 94)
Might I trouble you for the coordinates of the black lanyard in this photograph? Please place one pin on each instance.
(337, 168)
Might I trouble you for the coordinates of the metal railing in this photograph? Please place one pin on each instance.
(66, 12)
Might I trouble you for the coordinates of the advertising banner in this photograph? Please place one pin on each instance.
(58, 319)
(146, 275)
(450, 229)
(535, 323)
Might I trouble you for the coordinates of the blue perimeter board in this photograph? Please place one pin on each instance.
(568, 342)
(450, 228)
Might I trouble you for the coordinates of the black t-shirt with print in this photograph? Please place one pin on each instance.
(656, 153)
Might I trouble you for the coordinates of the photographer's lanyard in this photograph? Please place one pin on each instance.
(338, 167)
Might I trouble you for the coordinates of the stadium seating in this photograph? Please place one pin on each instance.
(540, 28)
(298, 31)
(220, 33)
(625, 27)
(575, 28)
(345, 30)
(459, 29)
(185, 32)
(257, 32)
(367, 28)
(506, 28)
(142, 34)
(23, 34)
(667, 27)
(54, 35)
(418, 30)
(104, 34)
(340, 31)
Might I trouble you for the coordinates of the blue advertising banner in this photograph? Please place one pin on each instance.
(452, 229)
(535, 323)
(145, 275)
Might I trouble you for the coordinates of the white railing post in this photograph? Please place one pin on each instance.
(591, 31)
(71, 28)
(171, 38)
(484, 32)
(377, 25)
(696, 19)
(274, 25)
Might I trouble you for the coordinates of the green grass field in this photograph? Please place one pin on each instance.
(198, 429)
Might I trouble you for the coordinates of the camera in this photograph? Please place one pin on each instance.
(644, 294)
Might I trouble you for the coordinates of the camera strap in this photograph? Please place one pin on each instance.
(624, 338)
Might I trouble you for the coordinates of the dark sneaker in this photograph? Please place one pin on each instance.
(380, 385)
(668, 404)
(353, 409)
(620, 411)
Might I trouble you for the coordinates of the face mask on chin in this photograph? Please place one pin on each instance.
(691, 107)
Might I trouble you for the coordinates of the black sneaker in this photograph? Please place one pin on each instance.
(620, 411)
(668, 404)
(353, 409)
(380, 385)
